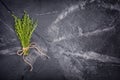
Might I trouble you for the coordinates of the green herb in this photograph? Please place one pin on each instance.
(24, 28)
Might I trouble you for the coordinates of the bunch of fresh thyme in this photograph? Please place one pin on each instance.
(24, 27)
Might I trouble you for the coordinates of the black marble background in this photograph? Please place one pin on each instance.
(82, 38)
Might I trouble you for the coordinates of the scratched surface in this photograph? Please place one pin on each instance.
(81, 38)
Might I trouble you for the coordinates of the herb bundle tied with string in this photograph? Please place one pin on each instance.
(24, 27)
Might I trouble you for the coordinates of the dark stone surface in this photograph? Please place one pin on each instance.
(80, 36)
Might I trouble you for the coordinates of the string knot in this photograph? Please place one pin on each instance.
(34, 46)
